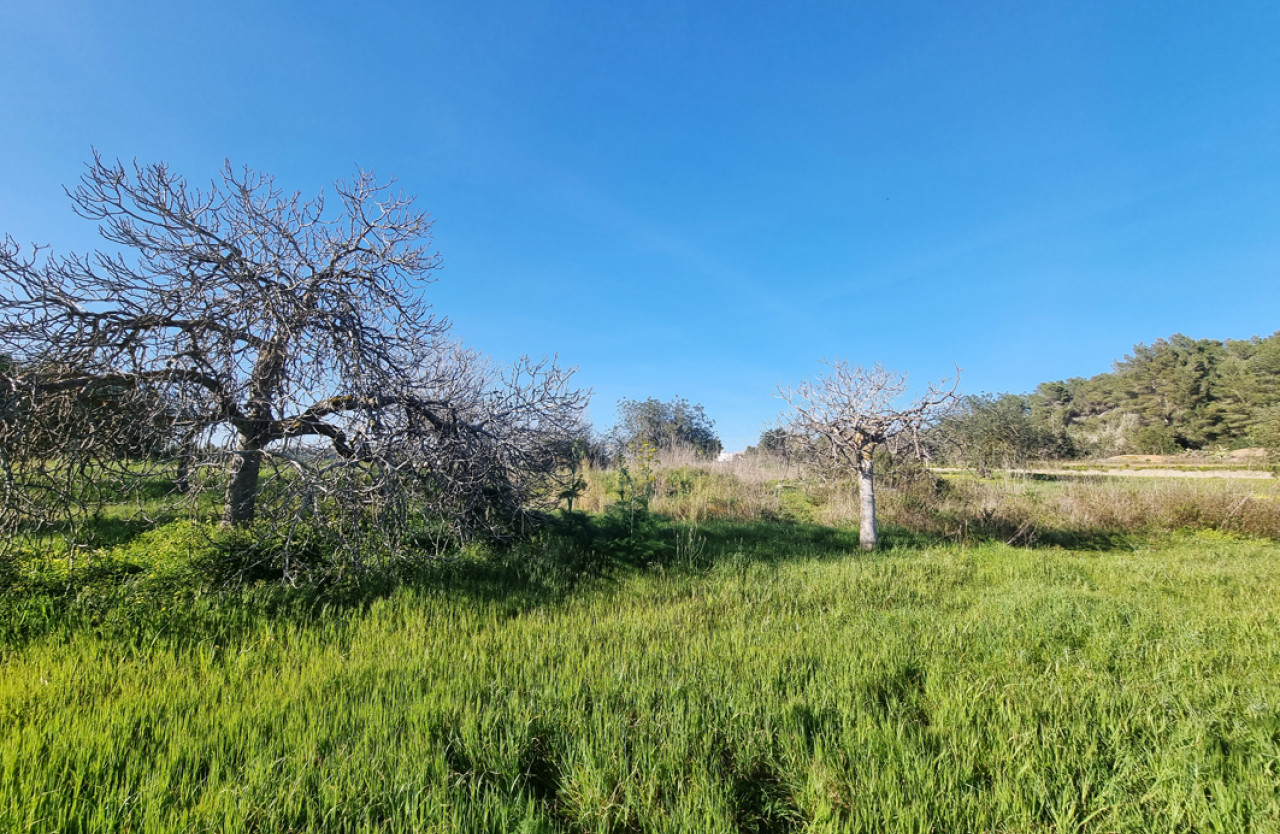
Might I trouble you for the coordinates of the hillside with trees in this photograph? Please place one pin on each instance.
(1174, 395)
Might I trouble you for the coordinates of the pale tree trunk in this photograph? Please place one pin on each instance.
(867, 501)
(242, 489)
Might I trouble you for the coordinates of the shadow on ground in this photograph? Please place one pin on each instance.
(570, 552)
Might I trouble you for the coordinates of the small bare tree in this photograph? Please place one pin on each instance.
(840, 418)
(279, 350)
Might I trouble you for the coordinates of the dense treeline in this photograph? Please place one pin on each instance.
(1176, 394)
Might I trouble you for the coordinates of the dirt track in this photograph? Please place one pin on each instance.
(1248, 474)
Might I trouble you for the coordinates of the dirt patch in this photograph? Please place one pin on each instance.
(1150, 472)
(1128, 459)
(1226, 459)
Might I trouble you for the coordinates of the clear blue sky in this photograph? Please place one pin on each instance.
(703, 199)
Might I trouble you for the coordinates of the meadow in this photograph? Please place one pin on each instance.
(1024, 655)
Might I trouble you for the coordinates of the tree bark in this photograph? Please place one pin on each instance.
(182, 482)
(242, 488)
(867, 500)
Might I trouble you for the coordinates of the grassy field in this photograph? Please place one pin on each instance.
(743, 676)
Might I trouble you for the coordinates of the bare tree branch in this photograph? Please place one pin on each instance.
(256, 332)
(840, 417)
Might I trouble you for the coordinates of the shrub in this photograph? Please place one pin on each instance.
(191, 556)
(1155, 440)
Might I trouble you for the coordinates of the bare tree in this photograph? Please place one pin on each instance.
(284, 349)
(840, 418)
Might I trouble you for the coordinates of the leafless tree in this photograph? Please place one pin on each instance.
(841, 416)
(282, 351)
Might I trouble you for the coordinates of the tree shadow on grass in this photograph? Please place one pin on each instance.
(777, 541)
(774, 541)
(92, 529)
(1090, 540)
(572, 551)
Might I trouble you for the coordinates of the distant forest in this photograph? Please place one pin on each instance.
(1177, 394)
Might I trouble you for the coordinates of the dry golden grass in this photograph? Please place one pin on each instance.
(686, 487)
(1017, 509)
(1024, 509)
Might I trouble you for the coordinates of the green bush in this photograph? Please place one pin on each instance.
(797, 504)
(1155, 440)
(192, 556)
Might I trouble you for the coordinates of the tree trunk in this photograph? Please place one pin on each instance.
(867, 500)
(242, 489)
(182, 483)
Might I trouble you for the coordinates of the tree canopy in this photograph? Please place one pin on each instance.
(1174, 394)
(284, 345)
(989, 431)
(666, 425)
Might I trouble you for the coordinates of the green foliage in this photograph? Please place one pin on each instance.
(628, 527)
(1265, 431)
(185, 556)
(1175, 394)
(576, 458)
(798, 504)
(620, 672)
(1154, 440)
(635, 482)
(988, 431)
(776, 442)
(144, 581)
(666, 425)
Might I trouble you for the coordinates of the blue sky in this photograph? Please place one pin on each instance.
(704, 199)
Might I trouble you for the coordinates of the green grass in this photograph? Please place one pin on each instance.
(754, 677)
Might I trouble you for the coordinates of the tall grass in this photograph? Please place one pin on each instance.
(683, 486)
(1018, 508)
(1027, 509)
(747, 686)
(731, 664)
